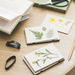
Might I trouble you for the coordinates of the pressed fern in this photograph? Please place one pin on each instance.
(50, 34)
(37, 34)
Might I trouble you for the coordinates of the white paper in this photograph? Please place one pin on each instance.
(40, 34)
(62, 24)
(45, 56)
(10, 9)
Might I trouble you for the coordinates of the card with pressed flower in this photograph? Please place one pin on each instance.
(41, 34)
(62, 24)
(43, 58)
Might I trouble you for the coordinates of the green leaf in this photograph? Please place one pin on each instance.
(38, 63)
(48, 51)
(45, 55)
(67, 22)
(50, 34)
(37, 34)
(44, 61)
(44, 28)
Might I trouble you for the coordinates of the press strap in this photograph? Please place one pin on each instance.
(60, 1)
(13, 44)
(12, 57)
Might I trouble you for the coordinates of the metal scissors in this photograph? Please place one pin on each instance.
(55, 2)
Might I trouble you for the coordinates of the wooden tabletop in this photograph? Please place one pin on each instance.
(36, 16)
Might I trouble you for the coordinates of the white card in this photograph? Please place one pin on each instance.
(63, 25)
(40, 34)
(43, 57)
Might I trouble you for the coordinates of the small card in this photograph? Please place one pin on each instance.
(40, 34)
(62, 24)
(43, 58)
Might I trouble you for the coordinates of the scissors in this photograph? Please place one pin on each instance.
(55, 2)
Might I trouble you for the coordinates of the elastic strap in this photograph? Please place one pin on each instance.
(55, 3)
(12, 57)
(13, 44)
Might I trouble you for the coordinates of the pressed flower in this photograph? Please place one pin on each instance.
(36, 53)
(62, 26)
(60, 20)
(33, 63)
(52, 19)
(45, 56)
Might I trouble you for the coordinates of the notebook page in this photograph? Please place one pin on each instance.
(7, 15)
(3, 22)
(17, 6)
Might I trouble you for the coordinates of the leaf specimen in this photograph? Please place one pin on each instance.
(45, 56)
(49, 34)
(37, 34)
(67, 22)
(44, 28)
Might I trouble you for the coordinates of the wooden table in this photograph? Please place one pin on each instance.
(37, 15)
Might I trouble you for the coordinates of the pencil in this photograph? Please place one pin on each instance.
(71, 52)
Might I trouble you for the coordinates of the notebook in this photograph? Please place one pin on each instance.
(9, 20)
(52, 7)
(43, 58)
(62, 24)
(40, 34)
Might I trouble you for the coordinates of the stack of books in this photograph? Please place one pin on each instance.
(12, 12)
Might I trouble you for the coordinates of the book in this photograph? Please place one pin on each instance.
(63, 25)
(43, 58)
(11, 9)
(26, 16)
(52, 7)
(17, 6)
(40, 34)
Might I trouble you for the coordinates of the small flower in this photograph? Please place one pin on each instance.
(62, 27)
(36, 53)
(33, 63)
(60, 20)
(52, 19)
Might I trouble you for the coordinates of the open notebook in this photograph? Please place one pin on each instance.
(13, 12)
(11, 9)
(43, 58)
(40, 34)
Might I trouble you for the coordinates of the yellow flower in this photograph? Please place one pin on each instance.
(52, 19)
(62, 27)
(33, 62)
(36, 53)
(60, 20)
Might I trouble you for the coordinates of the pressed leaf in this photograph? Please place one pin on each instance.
(44, 61)
(45, 55)
(67, 22)
(44, 28)
(50, 34)
(48, 51)
(38, 63)
(37, 34)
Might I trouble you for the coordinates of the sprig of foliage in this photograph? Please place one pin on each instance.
(45, 56)
(37, 34)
